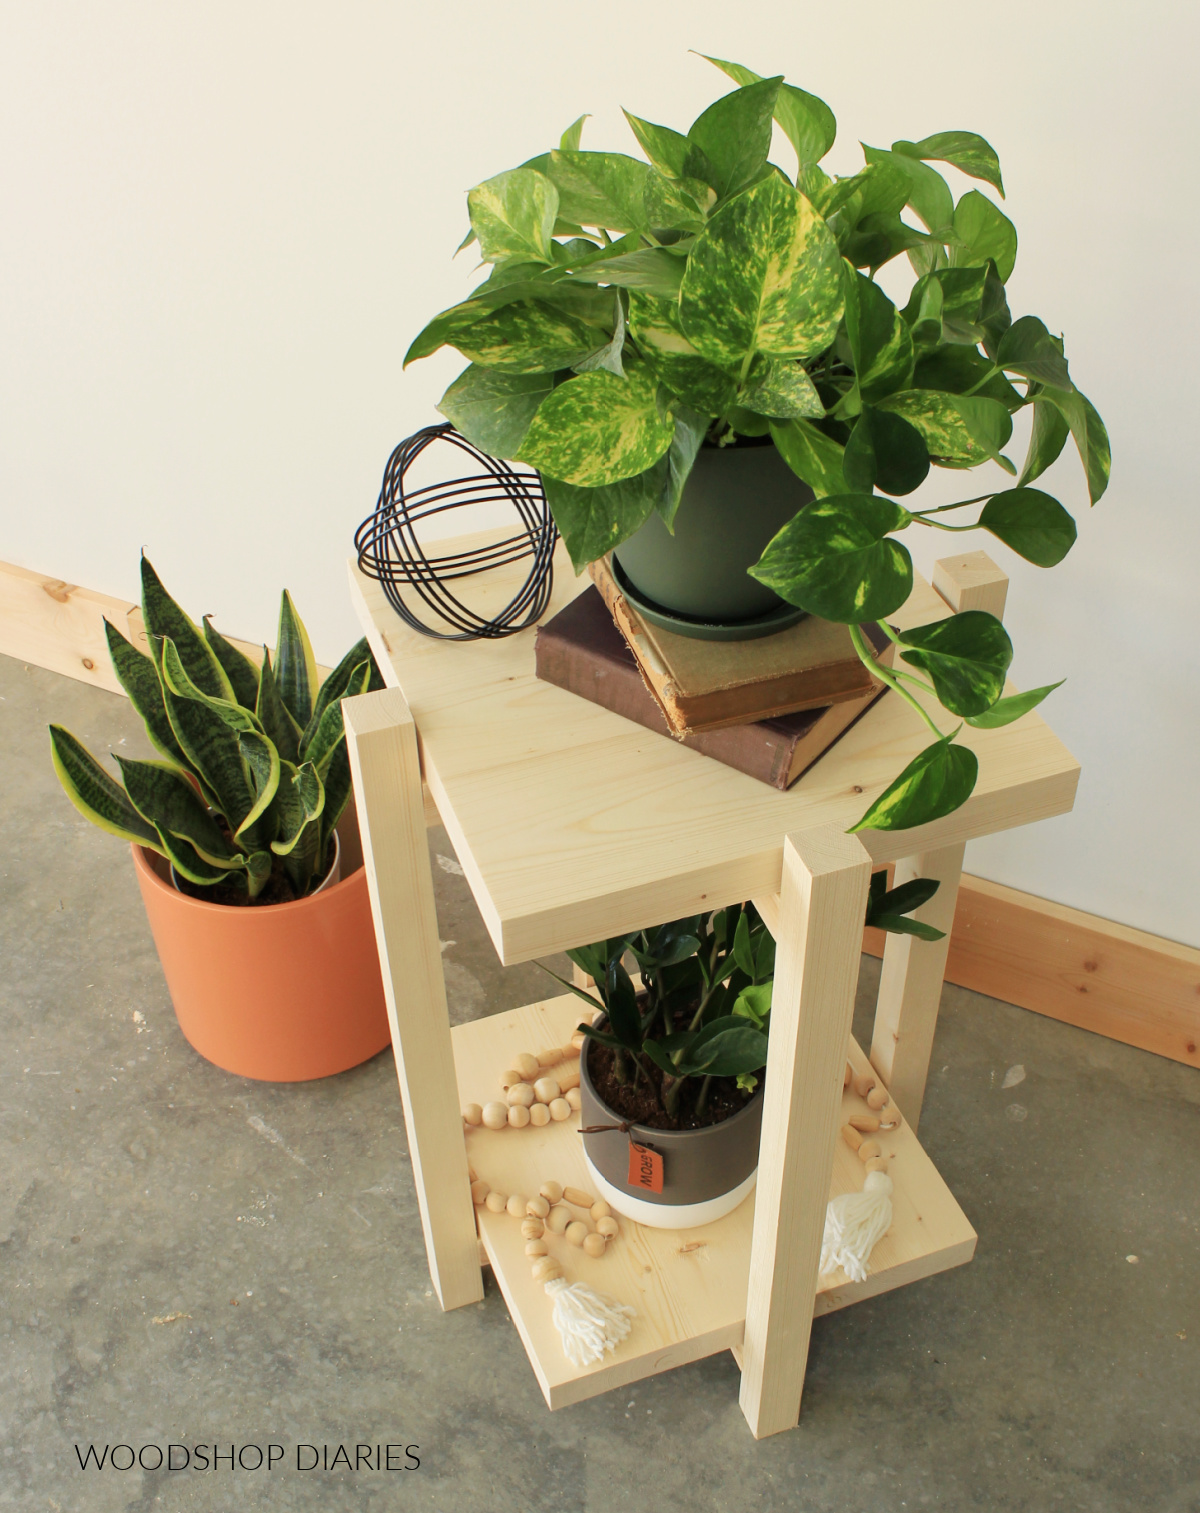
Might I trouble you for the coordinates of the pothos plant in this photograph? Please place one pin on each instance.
(253, 774)
(704, 1008)
(637, 309)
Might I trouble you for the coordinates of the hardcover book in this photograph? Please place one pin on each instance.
(582, 650)
(708, 685)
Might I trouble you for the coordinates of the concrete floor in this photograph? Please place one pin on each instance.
(276, 1228)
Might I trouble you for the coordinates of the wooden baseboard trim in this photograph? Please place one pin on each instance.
(1075, 967)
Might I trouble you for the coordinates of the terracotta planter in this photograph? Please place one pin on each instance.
(282, 993)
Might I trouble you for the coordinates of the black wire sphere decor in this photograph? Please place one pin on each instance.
(390, 550)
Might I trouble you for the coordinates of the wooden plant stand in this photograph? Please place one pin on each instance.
(572, 824)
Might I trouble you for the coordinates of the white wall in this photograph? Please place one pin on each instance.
(223, 224)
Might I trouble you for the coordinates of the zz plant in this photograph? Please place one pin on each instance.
(254, 773)
(637, 309)
(704, 1009)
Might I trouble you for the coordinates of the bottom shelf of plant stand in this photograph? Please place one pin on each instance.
(688, 1285)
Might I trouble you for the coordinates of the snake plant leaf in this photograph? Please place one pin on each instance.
(765, 276)
(982, 232)
(835, 559)
(528, 336)
(1047, 438)
(1091, 438)
(958, 430)
(807, 122)
(166, 800)
(163, 617)
(935, 783)
(734, 134)
(139, 678)
(928, 193)
(338, 786)
(336, 686)
(966, 656)
(189, 863)
(781, 390)
(884, 451)
(493, 410)
(654, 324)
(811, 455)
(599, 429)
(273, 715)
(1034, 524)
(299, 800)
(602, 189)
(513, 215)
(263, 764)
(653, 269)
(608, 357)
(1028, 348)
(959, 369)
(965, 150)
(593, 521)
(665, 148)
(239, 669)
(331, 728)
(571, 138)
(175, 681)
(207, 731)
(98, 797)
(333, 767)
(881, 343)
(295, 664)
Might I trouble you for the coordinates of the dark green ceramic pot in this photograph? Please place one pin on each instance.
(735, 500)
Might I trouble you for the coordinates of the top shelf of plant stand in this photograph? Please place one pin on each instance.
(572, 823)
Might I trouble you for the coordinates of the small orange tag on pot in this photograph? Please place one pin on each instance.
(645, 1168)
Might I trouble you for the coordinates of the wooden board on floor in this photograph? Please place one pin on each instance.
(1088, 972)
(547, 797)
(688, 1286)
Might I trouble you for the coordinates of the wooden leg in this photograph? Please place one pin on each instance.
(824, 896)
(382, 743)
(910, 985)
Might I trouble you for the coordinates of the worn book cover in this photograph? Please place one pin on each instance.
(708, 685)
(582, 650)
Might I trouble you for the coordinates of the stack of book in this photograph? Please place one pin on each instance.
(769, 707)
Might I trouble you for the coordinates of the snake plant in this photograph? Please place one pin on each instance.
(254, 774)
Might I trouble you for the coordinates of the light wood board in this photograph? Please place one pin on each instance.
(688, 1286)
(572, 823)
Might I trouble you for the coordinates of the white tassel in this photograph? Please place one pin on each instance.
(589, 1322)
(854, 1222)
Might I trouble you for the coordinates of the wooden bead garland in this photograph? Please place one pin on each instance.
(531, 1095)
(589, 1323)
